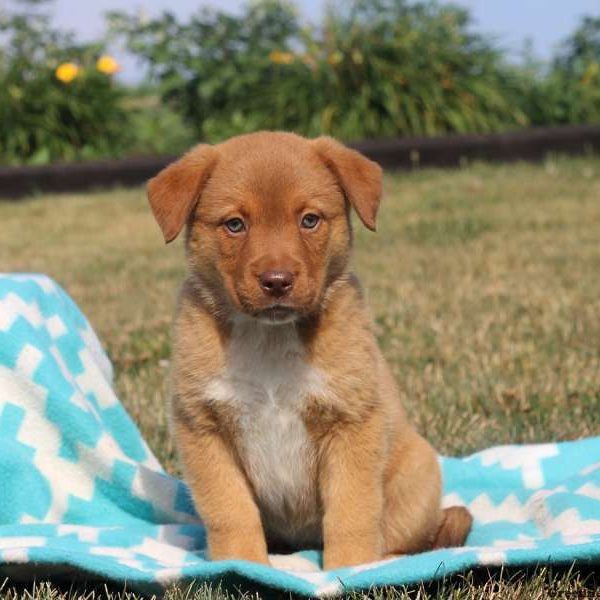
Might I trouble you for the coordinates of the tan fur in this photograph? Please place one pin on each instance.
(456, 524)
(289, 425)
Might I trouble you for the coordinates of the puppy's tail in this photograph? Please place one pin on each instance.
(455, 527)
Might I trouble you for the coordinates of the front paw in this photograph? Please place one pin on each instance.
(349, 555)
(293, 562)
(236, 547)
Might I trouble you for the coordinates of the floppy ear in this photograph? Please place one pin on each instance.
(359, 177)
(174, 192)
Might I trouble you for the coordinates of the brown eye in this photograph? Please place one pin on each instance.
(235, 225)
(310, 221)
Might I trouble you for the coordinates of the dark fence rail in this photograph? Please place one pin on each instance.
(401, 153)
(16, 182)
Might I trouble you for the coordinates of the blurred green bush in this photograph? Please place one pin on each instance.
(374, 68)
(570, 90)
(371, 68)
(57, 100)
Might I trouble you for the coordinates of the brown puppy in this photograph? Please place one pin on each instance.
(285, 413)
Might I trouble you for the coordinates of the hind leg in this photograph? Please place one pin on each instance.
(413, 518)
(412, 488)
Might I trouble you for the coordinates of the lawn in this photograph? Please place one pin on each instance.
(484, 284)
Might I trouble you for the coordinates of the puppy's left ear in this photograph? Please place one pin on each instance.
(359, 177)
(175, 191)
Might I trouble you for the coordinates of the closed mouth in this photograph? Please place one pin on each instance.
(277, 314)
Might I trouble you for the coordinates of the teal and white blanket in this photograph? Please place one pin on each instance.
(80, 491)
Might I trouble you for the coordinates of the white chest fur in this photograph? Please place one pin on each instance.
(266, 381)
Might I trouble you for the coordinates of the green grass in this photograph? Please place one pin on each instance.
(483, 282)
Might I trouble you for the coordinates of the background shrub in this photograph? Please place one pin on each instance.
(215, 69)
(374, 68)
(570, 92)
(369, 69)
(44, 118)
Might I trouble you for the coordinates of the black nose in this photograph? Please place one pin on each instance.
(276, 283)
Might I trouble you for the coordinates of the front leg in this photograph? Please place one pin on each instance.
(351, 485)
(221, 494)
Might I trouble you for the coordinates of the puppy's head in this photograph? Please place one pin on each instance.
(267, 217)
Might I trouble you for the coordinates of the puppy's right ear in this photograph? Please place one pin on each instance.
(174, 192)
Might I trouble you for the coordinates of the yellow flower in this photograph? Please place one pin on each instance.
(357, 57)
(108, 65)
(335, 58)
(590, 73)
(66, 72)
(281, 58)
(309, 61)
(15, 91)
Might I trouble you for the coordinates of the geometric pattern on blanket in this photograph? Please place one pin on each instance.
(81, 492)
